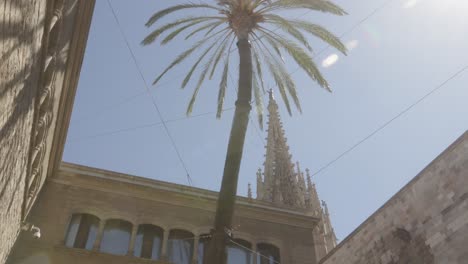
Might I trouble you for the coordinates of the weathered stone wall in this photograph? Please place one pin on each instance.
(169, 208)
(21, 30)
(425, 223)
(41, 49)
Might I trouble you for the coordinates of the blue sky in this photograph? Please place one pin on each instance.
(399, 54)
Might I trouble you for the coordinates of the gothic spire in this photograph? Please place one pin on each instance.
(312, 200)
(283, 183)
(330, 238)
(280, 183)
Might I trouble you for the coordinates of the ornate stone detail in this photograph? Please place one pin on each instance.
(44, 106)
(282, 181)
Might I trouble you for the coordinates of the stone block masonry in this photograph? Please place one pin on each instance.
(425, 223)
(41, 50)
(20, 44)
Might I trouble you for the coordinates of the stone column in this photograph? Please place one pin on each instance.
(97, 242)
(196, 239)
(131, 245)
(164, 245)
(254, 249)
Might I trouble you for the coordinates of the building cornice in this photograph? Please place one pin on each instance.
(175, 194)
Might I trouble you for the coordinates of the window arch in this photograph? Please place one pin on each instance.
(239, 252)
(267, 254)
(180, 246)
(82, 231)
(116, 237)
(148, 241)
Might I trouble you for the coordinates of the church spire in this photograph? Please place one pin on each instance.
(330, 238)
(280, 184)
(312, 200)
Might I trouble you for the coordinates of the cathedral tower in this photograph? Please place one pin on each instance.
(284, 183)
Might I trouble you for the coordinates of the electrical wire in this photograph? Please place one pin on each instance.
(161, 84)
(163, 122)
(113, 132)
(392, 119)
(252, 251)
(189, 179)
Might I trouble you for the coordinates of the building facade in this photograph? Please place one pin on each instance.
(88, 215)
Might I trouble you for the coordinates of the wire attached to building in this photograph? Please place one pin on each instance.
(252, 251)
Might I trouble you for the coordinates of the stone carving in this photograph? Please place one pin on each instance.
(44, 106)
(283, 183)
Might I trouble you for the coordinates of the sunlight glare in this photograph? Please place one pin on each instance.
(352, 44)
(330, 60)
(410, 3)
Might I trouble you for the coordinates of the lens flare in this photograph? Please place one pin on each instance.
(330, 60)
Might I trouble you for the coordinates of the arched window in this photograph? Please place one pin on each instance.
(116, 237)
(180, 246)
(202, 247)
(82, 231)
(267, 254)
(239, 252)
(148, 242)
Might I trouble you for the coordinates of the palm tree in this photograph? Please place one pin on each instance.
(262, 37)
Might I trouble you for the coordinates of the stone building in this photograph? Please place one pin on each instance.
(87, 215)
(41, 49)
(426, 222)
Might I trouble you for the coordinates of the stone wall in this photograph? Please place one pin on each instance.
(21, 30)
(425, 223)
(41, 49)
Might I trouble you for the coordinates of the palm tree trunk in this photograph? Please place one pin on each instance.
(227, 195)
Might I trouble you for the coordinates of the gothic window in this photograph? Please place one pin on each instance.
(148, 242)
(180, 246)
(82, 231)
(202, 247)
(239, 252)
(116, 237)
(267, 254)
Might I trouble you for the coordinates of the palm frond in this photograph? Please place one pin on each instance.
(219, 53)
(279, 73)
(258, 67)
(223, 82)
(158, 15)
(325, 6)
(275, 47)
(199, 84)
(258, 99)
(302, 59)
(185, 54)
(286, 26)
(204, 73)
(247, 19)
(321, 33)
(157, 32)
(176, 32)
(222, 88)
(195, 65)
(277, 76)
(213, 25)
